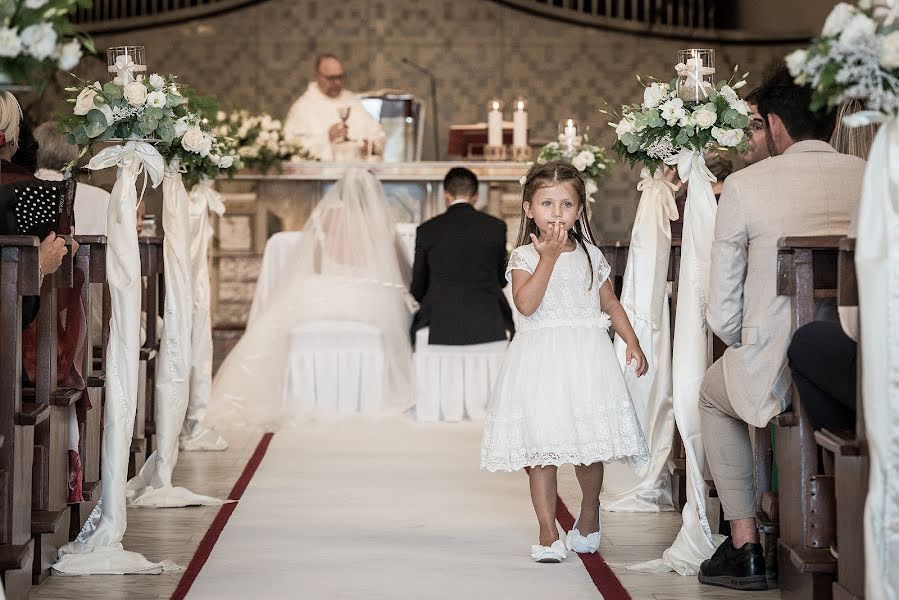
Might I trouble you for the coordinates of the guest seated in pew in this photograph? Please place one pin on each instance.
(53, 248)
(805, 188)
(459, 270)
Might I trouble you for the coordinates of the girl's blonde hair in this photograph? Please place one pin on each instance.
(10, 118)
(852, 140)
(542, 175)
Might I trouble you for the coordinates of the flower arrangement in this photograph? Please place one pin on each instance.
(198, 152)
(36, 39)
(656, 130)
(855, 57)
(146, 109)
(260, 140)
(585, 157)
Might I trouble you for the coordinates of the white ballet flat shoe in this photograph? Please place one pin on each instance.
(581, 544)
(549, 554)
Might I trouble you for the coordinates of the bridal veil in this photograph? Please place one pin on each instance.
(347, 268)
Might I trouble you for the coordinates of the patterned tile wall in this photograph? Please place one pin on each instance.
(261, 58)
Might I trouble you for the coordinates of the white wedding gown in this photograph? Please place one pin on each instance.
(347, 268)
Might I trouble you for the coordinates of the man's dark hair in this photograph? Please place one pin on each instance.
(753, 96)
(322, 57)
(781, 96)
(460, 183)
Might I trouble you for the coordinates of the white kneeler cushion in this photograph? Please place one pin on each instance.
(455, 382)
(336, 366)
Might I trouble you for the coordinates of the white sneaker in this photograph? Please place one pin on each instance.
(581, 544)
(549, 554)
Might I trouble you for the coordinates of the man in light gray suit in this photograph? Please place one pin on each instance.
(804, 188)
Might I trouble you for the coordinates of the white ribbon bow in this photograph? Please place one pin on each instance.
(690, 162)
(205, 193)
(664, 188)
(134, 155)
(124, 68)
(694, 73)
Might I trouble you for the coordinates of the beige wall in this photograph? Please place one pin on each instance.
(261, 58)
(783, 16)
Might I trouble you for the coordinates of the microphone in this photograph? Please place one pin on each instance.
(433, 79)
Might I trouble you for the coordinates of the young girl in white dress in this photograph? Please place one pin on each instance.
(561, 397)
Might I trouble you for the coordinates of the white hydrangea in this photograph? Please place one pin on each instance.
(10, 42)
(69, 55)
(838, 18)
(39, 40)
(860, 27)
(796, 61)
(889, 50)
(584, 159)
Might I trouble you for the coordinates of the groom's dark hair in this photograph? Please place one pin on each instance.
(460, 183)
(782, 96)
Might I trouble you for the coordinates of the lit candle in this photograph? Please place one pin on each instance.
(570, 131)
(520, 125)
(495, 124)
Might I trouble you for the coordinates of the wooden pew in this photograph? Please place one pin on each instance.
(846, 458)
(18, 277)
(91, 262)
(50, 517)
(807, 271)
(144, 425)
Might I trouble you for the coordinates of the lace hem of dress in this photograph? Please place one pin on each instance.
(571, 455)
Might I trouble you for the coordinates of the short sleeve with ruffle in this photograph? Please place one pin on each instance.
(601, 267)
(521, 258)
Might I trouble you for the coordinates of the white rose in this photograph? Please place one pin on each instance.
(34, 4)
(625, 125)
(220, 116)
(727, 137)
(583, 160)
(192, 140)
(590, 188)
(704, 118)
(69, 55)
(157, 81)
(214, 158)
(860, 27)
(39, 40)
(135, 93)
(838, 18)
(226, 161)
(889, 51)
(654, 93)
(85, 100)
(673, 110)
(181, 126)
(10, 43)
(156, 99)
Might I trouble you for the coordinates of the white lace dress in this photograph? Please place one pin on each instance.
(561, 396)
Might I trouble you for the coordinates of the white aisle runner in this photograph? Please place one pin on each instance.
(383, 509)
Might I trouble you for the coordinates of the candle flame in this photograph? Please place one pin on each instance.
(521, 105)
(570, 123)
(496, 105)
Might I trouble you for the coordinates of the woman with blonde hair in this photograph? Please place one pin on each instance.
(10, 120)
(852, 140)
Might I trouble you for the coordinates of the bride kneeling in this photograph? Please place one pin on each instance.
(346, 270)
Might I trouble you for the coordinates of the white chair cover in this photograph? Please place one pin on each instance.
(336, 367)
(455, 382)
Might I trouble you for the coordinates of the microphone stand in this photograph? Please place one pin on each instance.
(433, 79)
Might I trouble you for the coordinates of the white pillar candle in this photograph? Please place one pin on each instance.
(570, 132)
(519, 126)
(495, 124)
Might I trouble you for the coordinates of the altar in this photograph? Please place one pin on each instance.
(260, 205)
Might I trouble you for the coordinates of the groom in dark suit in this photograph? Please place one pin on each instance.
(459, 270)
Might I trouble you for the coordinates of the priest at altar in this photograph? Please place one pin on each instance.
(315, 119)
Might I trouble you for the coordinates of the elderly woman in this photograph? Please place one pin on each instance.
(53, 154)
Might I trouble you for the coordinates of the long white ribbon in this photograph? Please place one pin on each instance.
(135, 155)
(664, 189)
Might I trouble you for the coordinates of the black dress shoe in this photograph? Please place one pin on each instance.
(735, 568)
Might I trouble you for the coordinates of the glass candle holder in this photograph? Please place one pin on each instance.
(126, 64)
(695, 74)
(569, 139)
